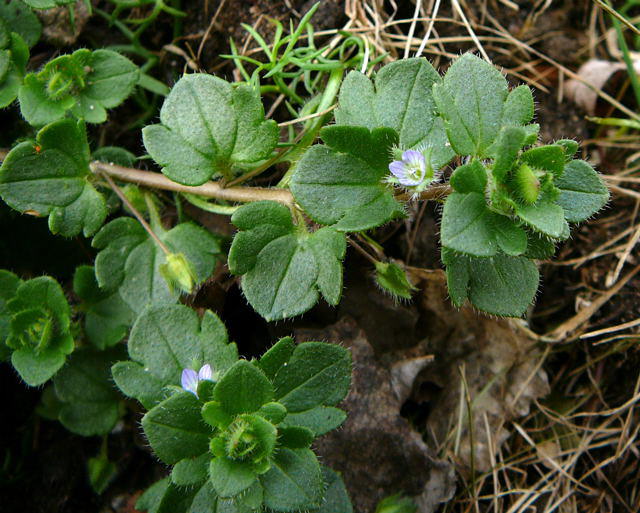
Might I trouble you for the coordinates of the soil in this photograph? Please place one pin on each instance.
(42, 470)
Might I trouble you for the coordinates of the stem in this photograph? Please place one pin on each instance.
(135, 212)
(208, 190)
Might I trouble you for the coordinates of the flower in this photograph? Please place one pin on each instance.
(411, 170)
(191, 379)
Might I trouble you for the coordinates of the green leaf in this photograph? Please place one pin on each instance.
(164, 341)
(229, 477)
(544, 217)
(316, 374)
(21, 20)
(510, 237)
(284, 269)
(101, 473)
(295, 437)
(130, 261)
(243, 389)
(400, 99)
(518, 107)
(320, 419)
(49, 177)
(208, 127)
(471, 177)
(342, 185)
(9, 284)
(107, 317)
(549, 158)
(191, 471)
(277, 355)
(90, 403)
(470, 99)
(40, 347)
(501, 285)
(13, 61)
(175, 428)
(506, 148)
(392, 279)
(539, 246)
(467, 225)
(570, 148)
(582, 191)
(294, 481)
(336, 497)
(85, 83)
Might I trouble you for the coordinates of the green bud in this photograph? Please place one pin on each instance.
(526, 184)
(178, 273)
(31, 328)
(393, 279)
(396, 504)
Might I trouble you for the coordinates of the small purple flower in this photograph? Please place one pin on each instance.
(411, 170)
(191, 379)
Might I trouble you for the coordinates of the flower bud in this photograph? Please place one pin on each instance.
(178, 272)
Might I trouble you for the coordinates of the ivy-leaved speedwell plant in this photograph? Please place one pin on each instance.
(237, 434)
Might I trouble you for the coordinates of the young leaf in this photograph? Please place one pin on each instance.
(283, 268)
(107, 317)
(50, 177)
(175, 429)
(294, 481)
(101, 473)
(518, 107)
(501, 285)
(341, 185)
(243, 389)
(39, 331)
(208, 127)
(130, 261)
(392, 279)
(90, 403)
(544, 217)
(275, 358)
(85, 83)
(471, 177)
(164, 341)
(400, 98)
(470, 99)
(582, 191)
(317, 374)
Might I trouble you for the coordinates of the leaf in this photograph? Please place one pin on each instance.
(550, 158)
(320, 419)
(191, 471)
(85, 83)
(175, 428)
(164, 341)
(544, 217)
(229, 477)
(295, 437)
(13, 61)
(49, 177)
(470, 99)
(101, 473)
(336, 497)
(283, 268)
(342, 185)
(400, 98)
(506, 148)
(510, 237)
(107, 318)
(243, 389)
(130, 260)
(471, 177)
(582, 191)
(90, 403)
(21, 20)
(316, 374)
(501, 285)
(392, 279)
(277, 355)
(40, 349)
(466, 225)
(208, 127)
(9, 284)
(294, 481)
(518, 107)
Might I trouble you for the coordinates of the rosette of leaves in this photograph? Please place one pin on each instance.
(511, 202)
(209, 128)
(51, 176)
(84, 84)
(130, 263)
(284, 268)
(14, 55)
(241, 439)
(35, 326)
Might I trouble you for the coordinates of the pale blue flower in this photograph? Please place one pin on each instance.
(191, 379)
(411, 170)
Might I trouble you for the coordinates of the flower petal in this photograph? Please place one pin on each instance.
(409, 181)
(205, 373)
(398, 168)
(189, 381)
(413, 157)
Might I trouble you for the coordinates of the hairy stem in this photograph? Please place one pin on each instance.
(208, 190)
